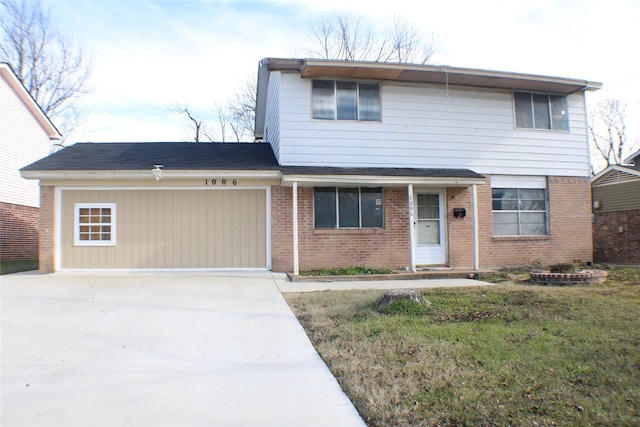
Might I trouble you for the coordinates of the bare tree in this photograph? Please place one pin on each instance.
(53, 68)
(196, 123)
(346, 37)
(341, 37)
(607, 129)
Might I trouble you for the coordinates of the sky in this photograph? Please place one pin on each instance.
(150, 56)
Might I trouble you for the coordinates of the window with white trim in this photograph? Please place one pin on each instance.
(336, 207)
(95, 224)
(541, 111)
(519, 211)
(346, 100)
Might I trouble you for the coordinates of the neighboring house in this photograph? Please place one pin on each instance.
(25, 136)
(616, 213)
(362, 163)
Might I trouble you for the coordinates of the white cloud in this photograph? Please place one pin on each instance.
(150, 55)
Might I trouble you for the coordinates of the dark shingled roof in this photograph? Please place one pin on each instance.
(173, 155)
(206, 156)
(408, 172)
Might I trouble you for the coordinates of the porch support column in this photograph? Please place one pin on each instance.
(412, 229)
(474, 203)
(296, 264)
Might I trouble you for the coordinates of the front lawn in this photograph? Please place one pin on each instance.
(512, 354)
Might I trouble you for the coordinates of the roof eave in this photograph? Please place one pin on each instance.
(619, 168)
(36, 111)
(310, 180)
(147, 175)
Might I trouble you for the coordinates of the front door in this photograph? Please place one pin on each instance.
(429, 223)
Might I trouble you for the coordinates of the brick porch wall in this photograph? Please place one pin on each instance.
(569, 240)
(18, 232)
(611, 245)
(46, 264)
(388, 247)
(570, 237)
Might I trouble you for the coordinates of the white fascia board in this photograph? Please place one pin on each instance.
(146, 174)
(316, 180)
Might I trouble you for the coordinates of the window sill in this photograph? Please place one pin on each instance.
(348, 231)
(520, 238)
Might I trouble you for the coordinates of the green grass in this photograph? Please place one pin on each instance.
(8, 267)
(348, 271)
(512, 354)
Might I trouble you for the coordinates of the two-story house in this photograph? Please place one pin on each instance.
(361, 163)
(26, 134)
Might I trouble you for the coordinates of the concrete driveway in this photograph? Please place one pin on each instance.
(160, 349)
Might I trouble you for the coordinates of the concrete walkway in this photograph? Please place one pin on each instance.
(160, 350)
(286, 286)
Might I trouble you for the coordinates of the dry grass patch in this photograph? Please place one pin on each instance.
(512, 354)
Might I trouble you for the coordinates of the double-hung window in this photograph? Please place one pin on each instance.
(348, 207)
(346, 100)
(95, 224)
(519, 211)
(540, 111)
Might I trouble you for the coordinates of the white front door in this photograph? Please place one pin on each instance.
(429, 223)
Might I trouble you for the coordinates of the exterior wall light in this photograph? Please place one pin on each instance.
(157, 171)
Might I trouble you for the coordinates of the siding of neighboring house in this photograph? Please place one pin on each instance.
(22, 141)
(431, 126)
(616, 236)
(19, 228)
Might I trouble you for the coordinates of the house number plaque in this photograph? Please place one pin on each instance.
(216, 181)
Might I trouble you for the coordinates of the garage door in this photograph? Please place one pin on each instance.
(132, 229)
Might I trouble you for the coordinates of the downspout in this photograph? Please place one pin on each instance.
(412, 230)
(474, 202)
(296, 265)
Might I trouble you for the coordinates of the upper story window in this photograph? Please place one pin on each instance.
(346, 100)
(539, 111)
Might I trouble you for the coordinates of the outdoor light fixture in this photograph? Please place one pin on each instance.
(157, 171)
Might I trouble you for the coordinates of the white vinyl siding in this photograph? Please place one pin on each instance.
(272, 122)
(22, 142)
(431, 126)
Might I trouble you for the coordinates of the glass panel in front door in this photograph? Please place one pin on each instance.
(428, 219)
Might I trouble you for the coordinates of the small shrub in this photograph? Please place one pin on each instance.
(563, 268)
(347, 271)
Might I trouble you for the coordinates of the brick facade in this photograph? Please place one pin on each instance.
(570, 228)
(570, 237)
(616, 237)
(18, 232)
(333, 248)
(47, 229)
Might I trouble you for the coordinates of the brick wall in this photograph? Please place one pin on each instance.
(614, 244)
(570, 237)
(47, 229)
(18, 232)
(329, 248)
(460, 230)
